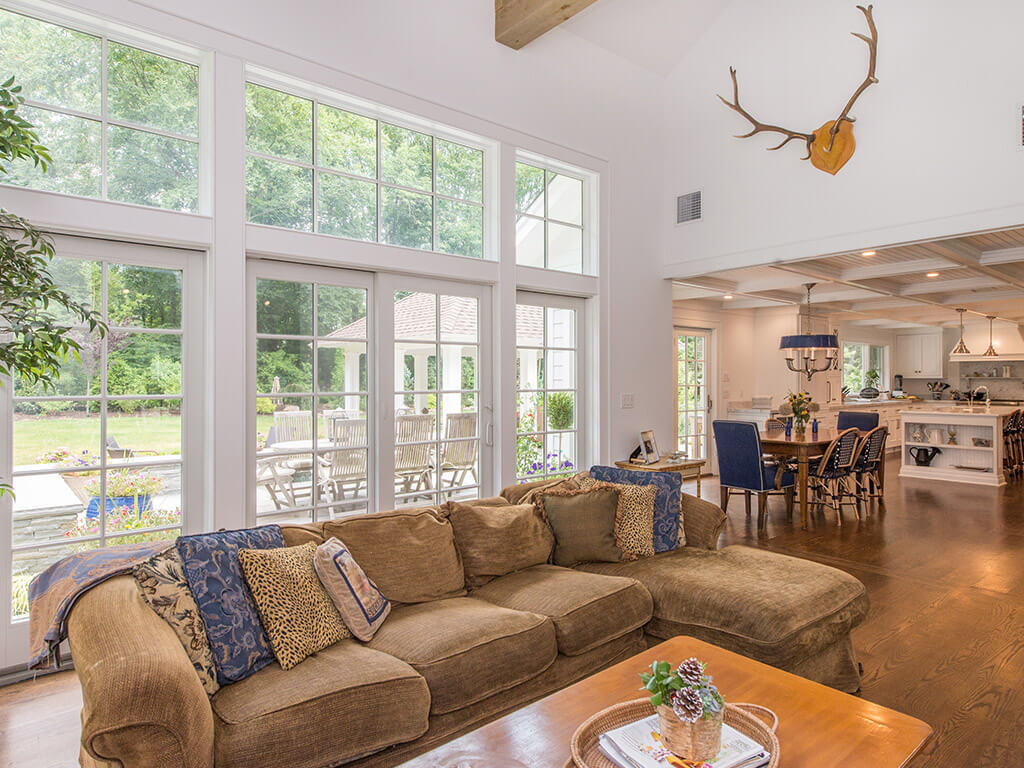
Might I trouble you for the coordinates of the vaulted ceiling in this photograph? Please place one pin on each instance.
(904, 286)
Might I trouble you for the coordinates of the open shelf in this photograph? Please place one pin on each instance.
(947, 445)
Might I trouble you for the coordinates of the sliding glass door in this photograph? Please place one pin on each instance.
(111, 455)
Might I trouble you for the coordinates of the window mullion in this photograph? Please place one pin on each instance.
(104, 139)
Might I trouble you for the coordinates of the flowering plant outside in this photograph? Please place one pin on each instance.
(127, 483)
(126, 519)
(66, 458)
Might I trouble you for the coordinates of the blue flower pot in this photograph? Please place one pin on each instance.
(140, 503)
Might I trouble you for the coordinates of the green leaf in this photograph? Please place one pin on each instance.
(657, 699)
(664, 668)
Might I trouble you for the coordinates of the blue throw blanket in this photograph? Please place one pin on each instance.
(53, 593)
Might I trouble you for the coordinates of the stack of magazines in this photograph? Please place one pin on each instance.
(638, 745)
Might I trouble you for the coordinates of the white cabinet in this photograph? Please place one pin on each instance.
(919, 355)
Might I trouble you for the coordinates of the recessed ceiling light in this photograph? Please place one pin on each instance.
(932, 274)
(868, 253)
(728, 297)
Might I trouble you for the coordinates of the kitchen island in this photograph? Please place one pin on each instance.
(975, 454)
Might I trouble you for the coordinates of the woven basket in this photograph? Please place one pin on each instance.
(745, 718)
(699, 742)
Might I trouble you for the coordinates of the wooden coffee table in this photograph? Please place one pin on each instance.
(818, 726)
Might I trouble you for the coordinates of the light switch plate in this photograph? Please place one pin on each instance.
(626, 400)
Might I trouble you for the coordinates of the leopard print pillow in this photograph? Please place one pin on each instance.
(297, 613)
(634, 519)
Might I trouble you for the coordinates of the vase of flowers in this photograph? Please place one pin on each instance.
(800, 405)
(689, 707)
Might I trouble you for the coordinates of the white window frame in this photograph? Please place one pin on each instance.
(380, 113)
(14, 633)
(883, 375)
(591, 207)
(265, 269)
(583, 427)
(109, 31)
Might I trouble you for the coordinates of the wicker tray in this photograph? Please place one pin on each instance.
(745, 718)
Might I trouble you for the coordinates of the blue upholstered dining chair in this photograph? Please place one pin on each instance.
(742, 468)
(865, 421)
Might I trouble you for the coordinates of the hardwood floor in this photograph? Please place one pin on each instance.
(944, 640)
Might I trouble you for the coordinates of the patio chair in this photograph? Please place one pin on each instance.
(294, 426)
(460, 449)
(344, 469)
(742, 469)
(277, 480)
(413, 469)
(115, 451)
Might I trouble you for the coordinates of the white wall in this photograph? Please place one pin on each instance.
(561, 96)
(936, 152)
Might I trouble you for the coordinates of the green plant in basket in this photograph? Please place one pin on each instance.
(686, 689)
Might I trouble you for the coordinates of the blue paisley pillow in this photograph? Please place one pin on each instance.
(666, 506)
(239, 644)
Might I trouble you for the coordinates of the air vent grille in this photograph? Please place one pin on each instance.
(688, 207)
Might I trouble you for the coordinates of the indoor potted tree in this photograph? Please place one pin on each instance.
(690, 709)
(36, 316)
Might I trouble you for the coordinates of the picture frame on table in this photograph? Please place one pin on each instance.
(649, 447)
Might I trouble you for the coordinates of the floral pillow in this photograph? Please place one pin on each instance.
(240, 646)
(667, 507)
(161, 580)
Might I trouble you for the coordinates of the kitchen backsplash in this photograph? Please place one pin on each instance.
(1000, 388)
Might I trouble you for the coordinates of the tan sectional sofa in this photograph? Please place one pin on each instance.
(446, 660)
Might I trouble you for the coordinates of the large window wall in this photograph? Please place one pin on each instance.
(121, 122)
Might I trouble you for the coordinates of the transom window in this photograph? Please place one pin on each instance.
(121, 123)
(549, 219)
(864, 365)
(548, 358)
(315, 167)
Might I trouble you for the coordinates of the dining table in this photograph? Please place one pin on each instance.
(804, 448)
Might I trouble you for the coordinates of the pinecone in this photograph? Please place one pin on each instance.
(691, 671)
(687, 705)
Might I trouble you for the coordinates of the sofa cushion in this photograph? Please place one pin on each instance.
(161, 581)
(410, 555)
(362, 606)
(467, 649)
(583, 522)
(495, 540)
(237, 640)
(295, 609)
(587, 609)
(634, 519)
(771, 607)
(342, 702)
(667, 523)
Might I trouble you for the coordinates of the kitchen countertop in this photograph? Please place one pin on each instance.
(980, 411)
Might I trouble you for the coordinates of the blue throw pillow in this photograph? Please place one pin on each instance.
(239, 644)
(666, 506)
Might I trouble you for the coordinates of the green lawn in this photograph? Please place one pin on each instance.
(36, 435)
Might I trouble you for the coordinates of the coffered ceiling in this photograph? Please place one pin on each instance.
(903, 286)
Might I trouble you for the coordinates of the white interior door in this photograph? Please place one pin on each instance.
(694, 400)
(113, 454)
(436, 402)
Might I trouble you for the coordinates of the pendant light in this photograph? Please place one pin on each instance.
(806, 346)
(961, 347)
(991, 351)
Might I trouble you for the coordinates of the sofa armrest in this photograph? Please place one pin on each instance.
(513, 494)
(702, 522)
(143, 703)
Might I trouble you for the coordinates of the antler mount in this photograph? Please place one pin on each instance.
(831, 145)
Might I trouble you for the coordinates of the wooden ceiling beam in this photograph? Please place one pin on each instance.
(519, 22)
